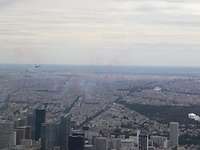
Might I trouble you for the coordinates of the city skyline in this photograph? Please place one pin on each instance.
(94, 32)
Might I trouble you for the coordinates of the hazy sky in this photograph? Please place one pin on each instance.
(100, 32)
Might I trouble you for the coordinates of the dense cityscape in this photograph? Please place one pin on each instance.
(99, 75)
(95, 108)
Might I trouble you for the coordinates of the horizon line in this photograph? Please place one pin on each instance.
(104, 65)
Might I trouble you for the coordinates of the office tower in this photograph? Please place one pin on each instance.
(38, 120)
(22, 133)
(65, 128)
(6, 134)
(19, 135)
(28, 132)
(29, 119)
(76, 142)
(143, 141)
(101, 143)
(50, 136)
(173, 134)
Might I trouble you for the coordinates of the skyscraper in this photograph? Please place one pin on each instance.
(29, 119)
(38, 120)
(173, 134)
(49, 136)
(65, 128)
(22, 133)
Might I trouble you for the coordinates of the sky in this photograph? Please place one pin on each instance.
(100, 32)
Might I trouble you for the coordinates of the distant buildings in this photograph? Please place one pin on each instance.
(173, 134)
(56, 134)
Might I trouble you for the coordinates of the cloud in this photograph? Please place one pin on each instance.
(100, 31)
(6, 3)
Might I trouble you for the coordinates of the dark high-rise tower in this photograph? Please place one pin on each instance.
(50, 136)
(38, 120)
(64, 131)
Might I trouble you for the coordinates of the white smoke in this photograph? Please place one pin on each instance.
(194, 117)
